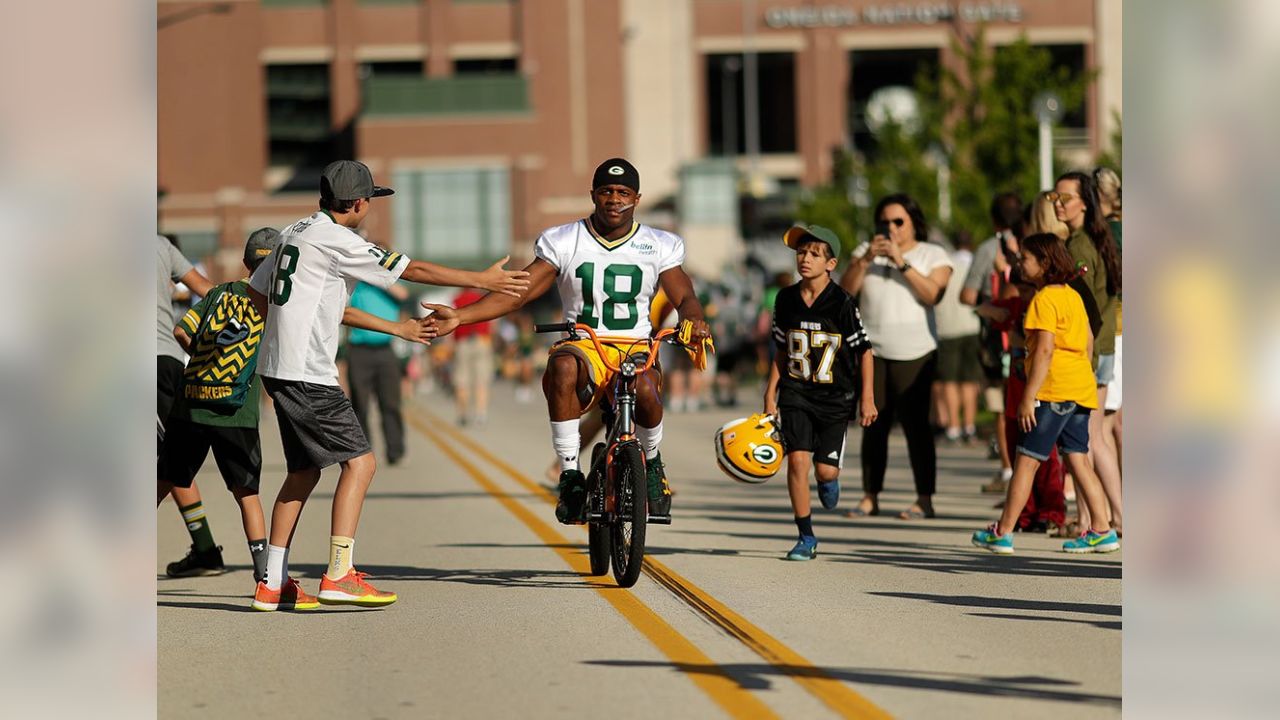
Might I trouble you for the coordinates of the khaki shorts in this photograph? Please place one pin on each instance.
(473, 362)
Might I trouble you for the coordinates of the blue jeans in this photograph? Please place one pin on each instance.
(1063, 423)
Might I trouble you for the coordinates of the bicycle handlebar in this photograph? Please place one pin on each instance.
(564, 327)
(667, 335)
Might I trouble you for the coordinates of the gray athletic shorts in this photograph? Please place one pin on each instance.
(318, 427)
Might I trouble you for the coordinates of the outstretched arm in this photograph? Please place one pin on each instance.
(540, 274)
(495, 279)
(416, 330)
(679, 289)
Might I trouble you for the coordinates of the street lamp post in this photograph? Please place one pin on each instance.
(1048, 109)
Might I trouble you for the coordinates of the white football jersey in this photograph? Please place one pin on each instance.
(609, 284)
(308, 281)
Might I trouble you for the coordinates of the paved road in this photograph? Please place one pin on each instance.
(497, 618)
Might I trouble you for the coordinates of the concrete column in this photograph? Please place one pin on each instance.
(662, 111)
(344, 71)
(438, 17)
(822, 81)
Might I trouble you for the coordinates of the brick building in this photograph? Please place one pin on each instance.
(488, 116)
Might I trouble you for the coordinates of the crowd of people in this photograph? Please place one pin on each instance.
(916, 328)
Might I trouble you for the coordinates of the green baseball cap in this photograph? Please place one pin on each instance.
(801, 233)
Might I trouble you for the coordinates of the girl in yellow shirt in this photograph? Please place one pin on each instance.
(1059, 396)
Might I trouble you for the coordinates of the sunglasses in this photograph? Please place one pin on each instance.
(897, 222)
(1063, 198)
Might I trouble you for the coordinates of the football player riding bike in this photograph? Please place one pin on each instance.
(607, 268)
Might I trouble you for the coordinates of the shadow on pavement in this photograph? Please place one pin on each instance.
(412, 495)
(506, 578)
(1008, 603)
(928, 556)
(754, 676)
(1102, 624)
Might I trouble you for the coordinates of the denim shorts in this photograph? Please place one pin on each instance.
(1106, 371)
(1063, 423)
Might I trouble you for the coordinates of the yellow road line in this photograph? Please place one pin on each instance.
(832, 692)
(726, 692)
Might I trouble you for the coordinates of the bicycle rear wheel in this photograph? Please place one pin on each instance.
(627, 536)
(597, 533)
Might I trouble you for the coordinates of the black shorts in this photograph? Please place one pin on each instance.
(168, 381)
(822, 433)
(318, 427)
(237, 450)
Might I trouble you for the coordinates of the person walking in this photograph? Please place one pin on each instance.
(373, 370)
(899, 278)
(959, 350)
(987, 277)
(1092, 246)
(303, 296)
(472, 364)
(822, 364)
(1059, 396)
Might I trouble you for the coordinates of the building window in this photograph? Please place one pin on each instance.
(872, 70)
(708, 193)
(485, 66)
(299, 130)
(726, 109)
(456, 215)
(391, 68)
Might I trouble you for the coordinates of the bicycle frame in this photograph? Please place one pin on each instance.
(603, 507)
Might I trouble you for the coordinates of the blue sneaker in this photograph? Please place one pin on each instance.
(1092, 542)
(989, 540)
(806, 549)
(829, 493)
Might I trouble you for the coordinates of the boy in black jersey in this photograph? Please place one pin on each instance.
(823, 355)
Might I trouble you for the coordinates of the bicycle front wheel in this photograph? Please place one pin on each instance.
(632, 513)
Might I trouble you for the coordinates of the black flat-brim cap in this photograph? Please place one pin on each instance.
(350, 180)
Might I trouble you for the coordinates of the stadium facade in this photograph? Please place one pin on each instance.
(488, 116)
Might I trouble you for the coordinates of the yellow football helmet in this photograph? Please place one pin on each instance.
(748, 449)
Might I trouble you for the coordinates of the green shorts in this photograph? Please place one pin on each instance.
(959, 361)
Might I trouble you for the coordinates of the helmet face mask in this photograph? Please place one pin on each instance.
(748, 449)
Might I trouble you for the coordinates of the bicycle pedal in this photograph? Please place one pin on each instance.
(596, 517)
(659, 519)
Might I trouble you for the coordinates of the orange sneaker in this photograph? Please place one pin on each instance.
(289, 597)
(351, 589)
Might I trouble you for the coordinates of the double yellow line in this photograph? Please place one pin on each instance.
(722, 689)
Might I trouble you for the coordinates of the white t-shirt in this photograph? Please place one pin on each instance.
(899, 326)
(955, 319)
(609, 285)
(308, 282)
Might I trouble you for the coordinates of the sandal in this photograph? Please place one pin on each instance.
(916, 513)
(858, 512)
(1070, 530)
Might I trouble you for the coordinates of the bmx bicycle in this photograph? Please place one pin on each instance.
(616, 510)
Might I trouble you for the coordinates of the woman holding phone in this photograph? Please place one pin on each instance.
(898, 278)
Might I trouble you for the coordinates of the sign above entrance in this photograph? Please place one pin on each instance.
(924, 13)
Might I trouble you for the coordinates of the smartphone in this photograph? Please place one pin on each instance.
(882, 228)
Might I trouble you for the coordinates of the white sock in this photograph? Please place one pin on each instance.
(277, 566)
(650, 438)
(567, 441)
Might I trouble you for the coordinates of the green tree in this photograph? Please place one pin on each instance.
(1113, 156)
(978, 117)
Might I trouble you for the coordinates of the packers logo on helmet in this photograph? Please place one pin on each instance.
(747, 449)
